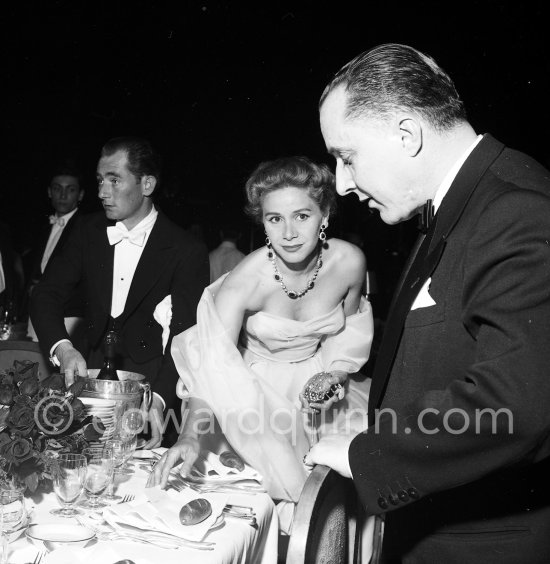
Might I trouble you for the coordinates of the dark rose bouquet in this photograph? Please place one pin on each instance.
(38, 421)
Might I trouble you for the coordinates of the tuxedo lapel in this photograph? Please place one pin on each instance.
(101, 262)
(151, 264)
(425, 262)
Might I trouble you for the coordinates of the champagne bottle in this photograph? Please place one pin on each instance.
(108, 370)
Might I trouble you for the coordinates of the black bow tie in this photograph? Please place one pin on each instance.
(426, 217)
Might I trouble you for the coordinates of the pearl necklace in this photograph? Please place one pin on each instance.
(293, 294)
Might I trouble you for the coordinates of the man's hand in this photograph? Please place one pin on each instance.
(155, 417)
(72, 362)
(186, 449)
(332, 451)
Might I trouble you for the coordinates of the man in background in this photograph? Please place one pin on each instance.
(129, 258)
(65, 192)
(226, 255)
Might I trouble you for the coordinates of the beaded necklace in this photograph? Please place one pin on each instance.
(293, 294)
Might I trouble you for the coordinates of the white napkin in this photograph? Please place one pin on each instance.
(158, 510)
(163, 316)
(104, 552)
(209, 462)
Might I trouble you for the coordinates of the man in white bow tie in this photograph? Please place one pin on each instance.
(129, 259)
(65, 191)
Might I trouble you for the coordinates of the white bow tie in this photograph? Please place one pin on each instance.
(59, 220)
(116, 234)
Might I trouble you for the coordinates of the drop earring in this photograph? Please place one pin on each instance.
(322, 234)
(269, 247)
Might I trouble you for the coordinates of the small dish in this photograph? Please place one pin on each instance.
(58, 534)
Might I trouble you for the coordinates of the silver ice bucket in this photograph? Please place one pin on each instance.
(130, 392)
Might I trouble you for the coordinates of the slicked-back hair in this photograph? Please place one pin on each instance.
(143, 160)
(390, 77)
(295, 172)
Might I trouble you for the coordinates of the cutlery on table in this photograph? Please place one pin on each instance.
(39, 557)
(106, 531)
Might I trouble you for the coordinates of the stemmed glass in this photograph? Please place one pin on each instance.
(68, 483)
(12, 515)
(99, 474)
(113, 449)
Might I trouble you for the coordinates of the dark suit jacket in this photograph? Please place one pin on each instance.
(172, 263)
(10, 293)
(454, 485)
(74, 306)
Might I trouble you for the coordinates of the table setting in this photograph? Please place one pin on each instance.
(217, 516)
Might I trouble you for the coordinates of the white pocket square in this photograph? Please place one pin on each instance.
(163, 316)
(423, 299)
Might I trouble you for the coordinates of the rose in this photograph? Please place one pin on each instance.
(54, 415)
(6, 394)
(54, 382)
(29, 386)
(17, 451)
(21, 419)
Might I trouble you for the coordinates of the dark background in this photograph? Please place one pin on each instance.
(219, 86)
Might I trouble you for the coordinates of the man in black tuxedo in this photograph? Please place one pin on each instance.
(65, 192)
(457, 452)
(129, 259)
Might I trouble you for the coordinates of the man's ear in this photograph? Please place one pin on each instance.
(148, 183)
(410, 130)
(49, 192)
(80, 196)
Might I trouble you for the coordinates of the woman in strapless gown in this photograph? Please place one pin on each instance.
(257, 342)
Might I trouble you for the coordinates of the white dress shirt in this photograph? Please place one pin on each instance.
(55, 234)
(127, 255)
(423, 298)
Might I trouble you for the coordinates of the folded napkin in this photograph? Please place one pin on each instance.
(208, 468)
(103, 552)
(158, 510)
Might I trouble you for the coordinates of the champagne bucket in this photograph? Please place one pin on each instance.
(131, 392)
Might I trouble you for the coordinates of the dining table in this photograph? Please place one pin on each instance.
(233, 540)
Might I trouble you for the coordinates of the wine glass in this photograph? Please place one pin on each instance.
(12, 515)
(113, 449)
(68, 482)
(129, 447)
(99, 474)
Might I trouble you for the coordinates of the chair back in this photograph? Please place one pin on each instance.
(24, 350)
(327, 522)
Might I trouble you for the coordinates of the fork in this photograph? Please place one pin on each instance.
(127, 497)
(39, 557)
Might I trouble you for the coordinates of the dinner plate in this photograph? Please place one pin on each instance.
(59, 534)
(100, 402)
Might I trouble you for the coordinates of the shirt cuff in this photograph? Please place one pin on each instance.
(53, 358)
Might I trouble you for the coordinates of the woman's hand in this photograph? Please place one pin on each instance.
(334, 384)
(186, 449)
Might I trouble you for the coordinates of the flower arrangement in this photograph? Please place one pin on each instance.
(38, 421)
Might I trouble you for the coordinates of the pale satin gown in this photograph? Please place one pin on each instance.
(253, 388)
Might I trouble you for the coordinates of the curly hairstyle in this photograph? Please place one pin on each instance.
(295, 172)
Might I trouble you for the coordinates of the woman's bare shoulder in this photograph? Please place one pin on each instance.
(348, 252)
(245, 277)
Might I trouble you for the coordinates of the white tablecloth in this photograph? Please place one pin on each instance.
(236, 541)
